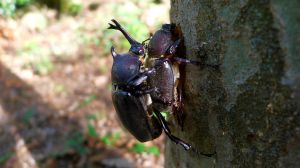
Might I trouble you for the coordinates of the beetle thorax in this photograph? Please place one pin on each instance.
(124, 67)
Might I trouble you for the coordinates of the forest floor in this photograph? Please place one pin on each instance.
(55, 98)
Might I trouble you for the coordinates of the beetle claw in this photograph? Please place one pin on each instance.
(173, 47)
(157, 91)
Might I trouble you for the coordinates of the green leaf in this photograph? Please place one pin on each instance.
(88, 100)
(138, 148)
(141, 148)
(6, 156)
(164, 114)
(110, 140)
(44, 66)
(28, 115)
(91, 117)
(92, 130)
(106, 140)
(21, 3)
(153, 150)
(75, 141)
(75, 9)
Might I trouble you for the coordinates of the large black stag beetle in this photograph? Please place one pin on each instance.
(130, 91)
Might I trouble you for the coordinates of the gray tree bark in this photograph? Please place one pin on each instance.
(247, 110)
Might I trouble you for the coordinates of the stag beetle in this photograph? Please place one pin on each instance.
(130, 91)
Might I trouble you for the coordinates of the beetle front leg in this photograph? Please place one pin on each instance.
(144, 42)
(167, 130)
(140, 78)
(146, 91)
(186, 61)
(172, 49)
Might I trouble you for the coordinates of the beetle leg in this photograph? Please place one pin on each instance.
(172, 49)
(163, 101)
(149, 72)
(140, 78)
(144, 42)
(184, 60)
(138, 81)
(187, 61)
(146, 91)
(167, 130)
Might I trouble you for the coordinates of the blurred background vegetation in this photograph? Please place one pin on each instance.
(55, 102)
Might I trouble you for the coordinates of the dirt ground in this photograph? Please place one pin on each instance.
(55, 99)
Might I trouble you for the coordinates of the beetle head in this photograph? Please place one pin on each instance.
(137, 49)
(168, 27)
(160, 42)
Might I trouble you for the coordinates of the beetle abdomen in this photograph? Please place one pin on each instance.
(132, 112)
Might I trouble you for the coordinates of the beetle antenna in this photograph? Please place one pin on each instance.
(113, 52)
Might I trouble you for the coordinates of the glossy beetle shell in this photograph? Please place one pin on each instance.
(163, 79)
(160, 41)
(124, 67)
(132, 112)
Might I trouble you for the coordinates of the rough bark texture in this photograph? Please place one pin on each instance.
(248, 109)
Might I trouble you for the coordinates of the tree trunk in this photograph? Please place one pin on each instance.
(247, 109)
